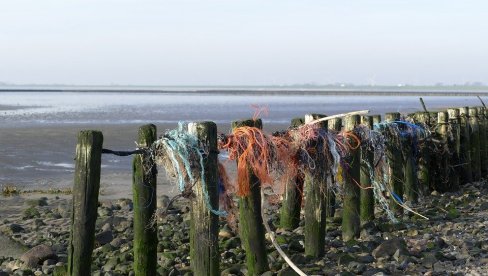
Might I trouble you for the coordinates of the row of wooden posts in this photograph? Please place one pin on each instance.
(460, 135)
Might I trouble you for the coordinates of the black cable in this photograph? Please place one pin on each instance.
(124, 153)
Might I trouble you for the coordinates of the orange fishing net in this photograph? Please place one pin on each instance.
(266, 156)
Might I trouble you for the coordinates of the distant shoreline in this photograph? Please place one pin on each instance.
(264, 91)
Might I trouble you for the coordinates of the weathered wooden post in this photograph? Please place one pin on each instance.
(330, 200)
(475, 143)
(376, 119)
(443, 155)
(250, 220)
(350, 217)
(465, 157)
(424, 165)
(204, 225)
(85, 202)
(144, 197)
(483, 142)
(411, 185)
(394, 159)
(484, 136)
(367, 166)
(455, 148)
(315, 192)
(292, 197)
(378, 171)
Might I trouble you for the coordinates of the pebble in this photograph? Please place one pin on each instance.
(454, 244)
(37, 255)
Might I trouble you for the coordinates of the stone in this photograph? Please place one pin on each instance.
(365, 259)
(345, 259)
(31, 212)
(36, 202)
(233, 242)
(104, 237)
(453, 213)
(168, 259)
(223, 233)
(104, 212)
(233, 270)
(163, 201)
(15, 228)
(64, 210)
(60, 270)
(428, 260)
(117, 242)
(299, 259)
(49, 262)
(356, 268)
(106, 227)
(111, 264)
(37, 255)
(295, 246)
(374, 272)
(389, 248)
(125, 204)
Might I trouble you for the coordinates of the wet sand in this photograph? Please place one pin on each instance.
(43, 157)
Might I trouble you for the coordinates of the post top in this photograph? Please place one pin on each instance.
(367, 120)
(473, 111)
(453, 113)
(442, 117)
(392, 116)
(335, 124)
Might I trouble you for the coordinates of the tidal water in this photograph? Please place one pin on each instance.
(38, 129)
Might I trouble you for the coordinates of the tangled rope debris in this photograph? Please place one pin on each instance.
(182, 155)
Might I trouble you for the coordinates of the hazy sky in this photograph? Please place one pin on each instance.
(237, 42)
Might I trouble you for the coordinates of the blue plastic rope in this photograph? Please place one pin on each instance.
(181, 146)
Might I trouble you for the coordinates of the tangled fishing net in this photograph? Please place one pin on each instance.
(182, 156)
(373, 141)
(268, 157)
(407, 137)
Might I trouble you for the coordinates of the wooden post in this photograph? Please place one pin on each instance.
(376, 119)
(484, 136)
(411, 184)
(250, 220)
(85, 202)
(424, 165)
(315, 192)
(394, 157)
(483, 142)
(144, 197)
(330, 200)
(455, 148)
(378, 171)
(475, 143)
(350, 217)
(292, 197)
(443, 156)
(465, 141)
(204, 225)
(367, 166)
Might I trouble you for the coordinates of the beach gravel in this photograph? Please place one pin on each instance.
(453, 241)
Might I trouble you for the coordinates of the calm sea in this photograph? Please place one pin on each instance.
(38, 129)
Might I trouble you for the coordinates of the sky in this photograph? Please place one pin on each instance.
(243, 42)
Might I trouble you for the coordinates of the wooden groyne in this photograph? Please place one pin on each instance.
(352, 163)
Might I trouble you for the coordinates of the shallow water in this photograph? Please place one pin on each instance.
(38, 129)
